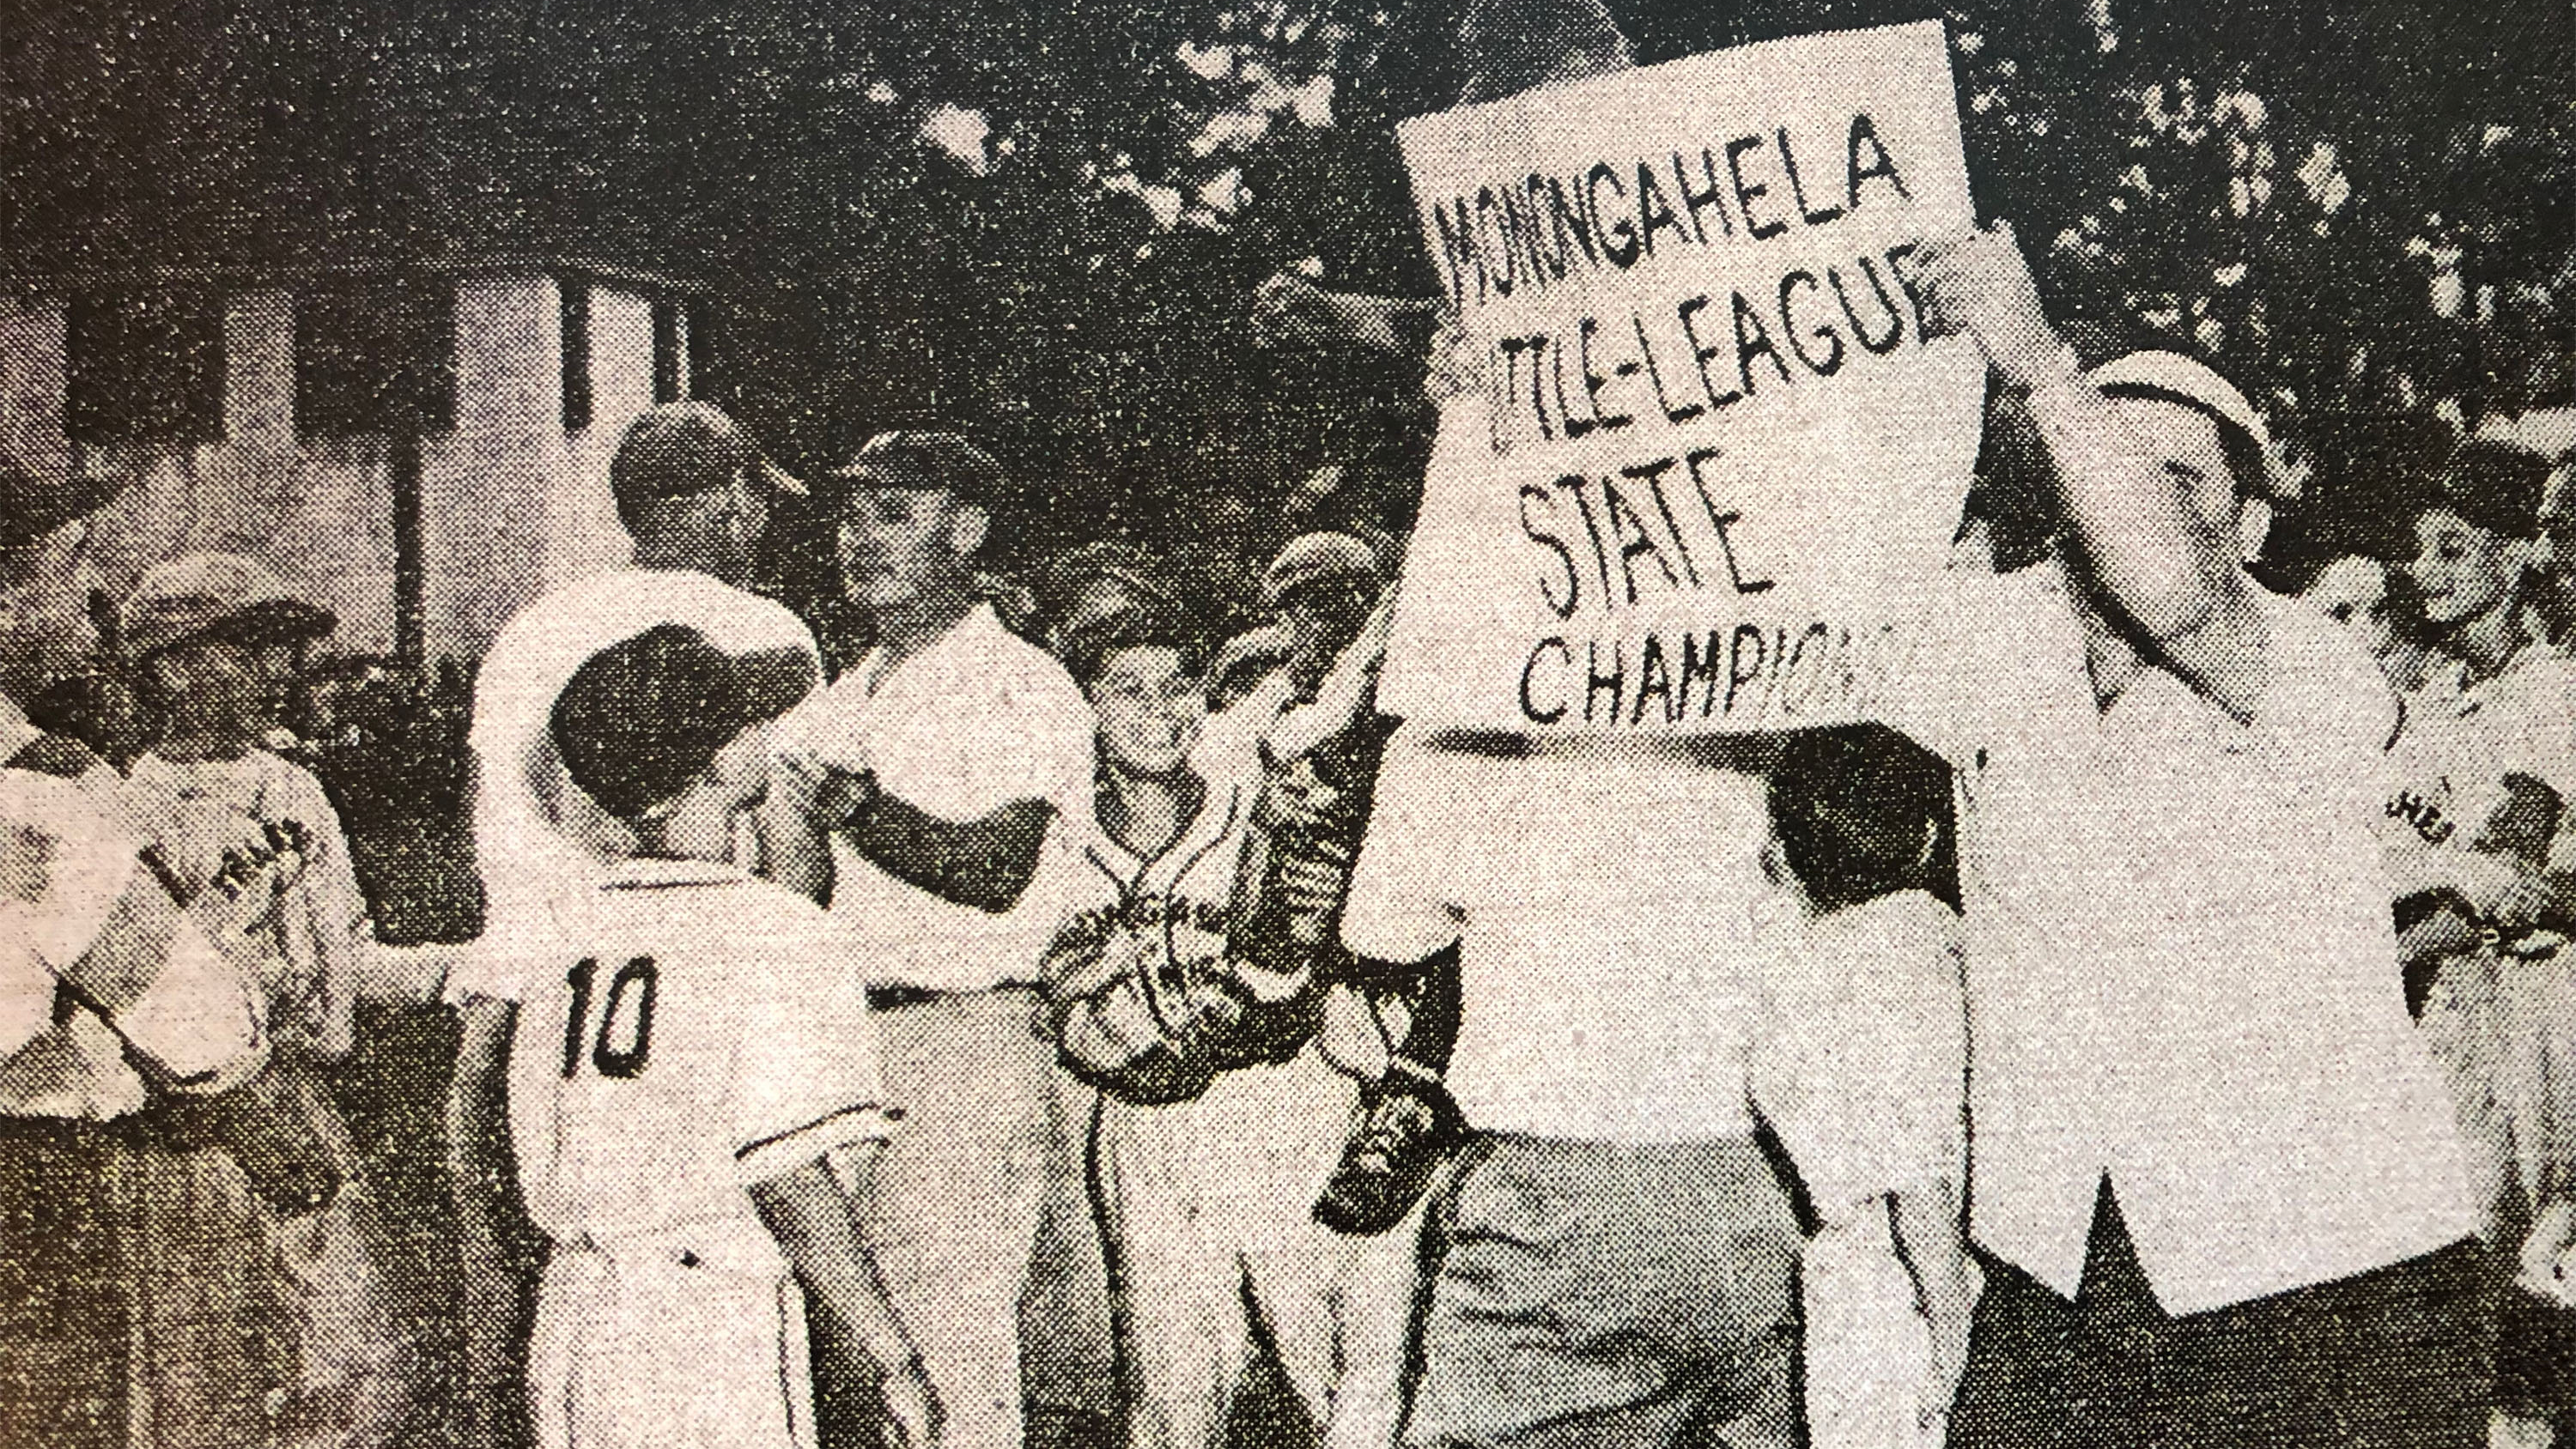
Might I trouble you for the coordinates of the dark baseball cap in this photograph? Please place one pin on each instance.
(927, 458)
(679, 449)
(645, 716)
(2494, 485)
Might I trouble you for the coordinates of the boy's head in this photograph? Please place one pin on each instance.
(1147, 682)
(666, 723)
(693, 491)
(2477, 532)
(219, 642)
(1860, 812)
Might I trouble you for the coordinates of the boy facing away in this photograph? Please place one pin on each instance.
(678, 1079)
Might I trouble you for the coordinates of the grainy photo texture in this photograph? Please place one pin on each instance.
(1287, 724)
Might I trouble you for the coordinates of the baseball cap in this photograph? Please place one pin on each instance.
(927, 458)
(218, 595)
(675, 450)
(1313, 557)
(1251, 654)
(2496, 486)
(2194, 384)
(643, 717)
(32, 506)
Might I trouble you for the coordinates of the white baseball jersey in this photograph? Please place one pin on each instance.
(534, 833)
(696, 1032)
(2460, 740)
(304, 956)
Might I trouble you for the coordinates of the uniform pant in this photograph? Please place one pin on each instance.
(953, 1215)
(1209, 1206)
(250, 1327)
(1598, 1295)
(662, 1346)
(2390, 1359)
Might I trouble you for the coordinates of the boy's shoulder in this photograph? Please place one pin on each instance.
(715, 906)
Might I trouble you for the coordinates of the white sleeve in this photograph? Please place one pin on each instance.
(1399, 906)
(808, 1080)
(65, 857)
(199, 1020)
(1866, 1049)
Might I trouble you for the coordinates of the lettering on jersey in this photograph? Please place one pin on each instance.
(2424, 814)
(638, 980)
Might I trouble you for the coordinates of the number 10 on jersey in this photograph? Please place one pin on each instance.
(635, 981)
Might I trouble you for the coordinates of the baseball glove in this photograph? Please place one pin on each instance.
(1144, 1002)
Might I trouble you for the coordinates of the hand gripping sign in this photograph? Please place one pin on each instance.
(1706, 463)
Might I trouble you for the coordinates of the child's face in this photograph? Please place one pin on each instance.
(228, 689)
(1151, 707)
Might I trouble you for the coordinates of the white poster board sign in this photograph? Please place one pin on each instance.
(1709, 462)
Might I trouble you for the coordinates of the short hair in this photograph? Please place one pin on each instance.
(1087, 652)
(2492, 485)
(1861, 811)
(676, 450)
(644, 717)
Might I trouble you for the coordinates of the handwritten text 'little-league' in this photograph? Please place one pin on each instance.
(1701, 353)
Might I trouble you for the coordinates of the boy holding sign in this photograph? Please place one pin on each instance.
(2213, 1163)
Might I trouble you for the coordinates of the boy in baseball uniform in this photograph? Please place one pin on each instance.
(678, 1080)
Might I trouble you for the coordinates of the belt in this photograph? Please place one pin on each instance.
(896, 995)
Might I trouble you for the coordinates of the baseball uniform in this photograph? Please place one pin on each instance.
(696, 1032)
(533, 833)
(973, 722)
(1209, 1201)
(64, 1070)
(238, 1298)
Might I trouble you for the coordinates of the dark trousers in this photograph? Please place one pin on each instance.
(2400, 1356)
(62, 1289)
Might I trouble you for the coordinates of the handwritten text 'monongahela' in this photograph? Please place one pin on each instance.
(1528, 234)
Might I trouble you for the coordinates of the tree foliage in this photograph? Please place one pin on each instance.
(1043, 217)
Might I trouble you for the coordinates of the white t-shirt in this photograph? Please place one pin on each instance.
(2182, 971)
(2459, 740)
(695, 1031)
(1863, 1063)
(534, 833)
(1601, 900)
(977, 720)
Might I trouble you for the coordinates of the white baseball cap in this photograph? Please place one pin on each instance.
(2193, 383)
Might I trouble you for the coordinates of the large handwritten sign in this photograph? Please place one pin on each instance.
(1709, 460)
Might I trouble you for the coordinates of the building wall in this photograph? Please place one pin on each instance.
(512, 503)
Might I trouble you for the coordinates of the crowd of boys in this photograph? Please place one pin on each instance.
(2157, 1036)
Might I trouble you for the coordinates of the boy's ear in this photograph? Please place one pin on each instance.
(967, 526)
(2253, 528)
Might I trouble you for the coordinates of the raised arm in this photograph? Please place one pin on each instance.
(2151, 527)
